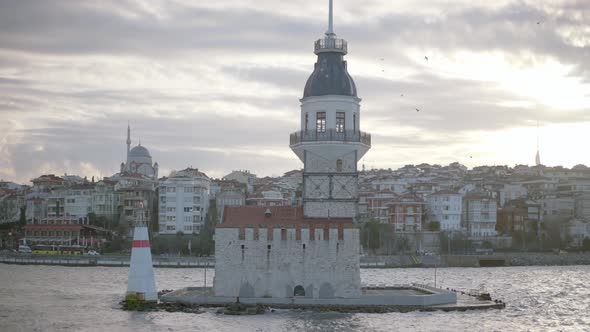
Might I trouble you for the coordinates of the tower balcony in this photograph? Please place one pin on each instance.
(330, 135)
(330, 44)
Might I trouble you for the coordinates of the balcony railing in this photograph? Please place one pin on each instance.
(330, 135)
(331, 44)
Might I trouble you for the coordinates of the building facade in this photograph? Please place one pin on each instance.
(445, 207)
(479, 215)
(405, 213)
(183, 202)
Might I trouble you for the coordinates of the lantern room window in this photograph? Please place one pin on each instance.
(340, 122)
(321, 122)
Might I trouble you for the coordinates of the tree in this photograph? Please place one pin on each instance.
(434, 226)
(370, 238)
(92, 218)
(22, 220)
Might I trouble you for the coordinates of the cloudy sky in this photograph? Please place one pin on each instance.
(215, 84)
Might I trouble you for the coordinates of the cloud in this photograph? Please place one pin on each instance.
(216, 84)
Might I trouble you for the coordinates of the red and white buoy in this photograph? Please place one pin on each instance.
(141, 270)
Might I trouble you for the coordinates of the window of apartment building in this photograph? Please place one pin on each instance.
(163, 189)
(171, 189)
(306, 120)
(171, 209)
(354, 122)
(321, 122)
(188, 189)
(196, 218)
(188, 218)
(163, 199)
(188, 209)
(188, 228)
(340, 122)
(170, 228)
(339, 167)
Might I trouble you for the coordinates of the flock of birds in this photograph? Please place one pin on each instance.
(401, 95)
(417, 109)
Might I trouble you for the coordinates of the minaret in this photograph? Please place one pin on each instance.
(330, 142)
(538, 157)
(128, 140)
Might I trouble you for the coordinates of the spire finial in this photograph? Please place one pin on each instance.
(330, 31)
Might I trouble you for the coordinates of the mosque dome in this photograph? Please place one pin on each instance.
(139, 152)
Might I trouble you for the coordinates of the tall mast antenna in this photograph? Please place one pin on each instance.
(330, 31)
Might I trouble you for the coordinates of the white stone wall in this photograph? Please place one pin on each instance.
(254, 270)
(332, 209)
(320, 161)
(330, 105)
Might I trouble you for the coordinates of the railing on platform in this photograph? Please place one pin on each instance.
(330, 135)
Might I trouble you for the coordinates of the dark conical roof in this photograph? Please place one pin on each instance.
(330, 77)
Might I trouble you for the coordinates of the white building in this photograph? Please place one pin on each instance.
(242, 176)
(582, 205)
(184, 202)
(445, 207)
(105, 200)
(511, 192)
(310, 251)
(74, 202)
(479, 215)
(576, 230)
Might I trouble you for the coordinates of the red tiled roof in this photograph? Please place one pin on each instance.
(53, 227)
(280, 215)
(445, 192)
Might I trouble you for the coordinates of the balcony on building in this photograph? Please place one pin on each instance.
(330, 135)
(330, 44)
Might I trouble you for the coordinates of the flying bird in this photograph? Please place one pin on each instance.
(417, 110)
(401, 95)
(425, 57)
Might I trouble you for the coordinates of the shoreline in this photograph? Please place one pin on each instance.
(372, 262)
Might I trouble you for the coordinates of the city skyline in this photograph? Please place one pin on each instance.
(216, 86)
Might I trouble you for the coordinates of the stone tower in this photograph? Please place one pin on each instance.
(330, 142)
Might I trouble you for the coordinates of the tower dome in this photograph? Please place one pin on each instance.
(330, 75)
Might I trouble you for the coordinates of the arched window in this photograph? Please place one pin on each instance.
(299, 291)
(339, 165)
(354, 122)
(306, 120)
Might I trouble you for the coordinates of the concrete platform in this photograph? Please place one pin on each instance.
(374, 299)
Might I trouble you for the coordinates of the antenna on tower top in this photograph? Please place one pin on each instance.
(330, 31)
